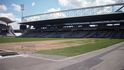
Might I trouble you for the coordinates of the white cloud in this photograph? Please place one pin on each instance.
(84, 3)
(33, 3)
(56, 15)
(53, 9)
(47, 16)
(3, 7)
(17, 7)
(99, 2)
(119, 1)
(104, 10)
(10, 16)
(64, 2)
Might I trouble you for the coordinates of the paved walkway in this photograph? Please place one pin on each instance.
(111, 58)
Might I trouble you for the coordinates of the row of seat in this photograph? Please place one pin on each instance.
(76, 34)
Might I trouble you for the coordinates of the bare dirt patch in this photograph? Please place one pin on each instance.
(40, 45)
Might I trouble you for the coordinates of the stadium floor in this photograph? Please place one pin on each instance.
(110, 58)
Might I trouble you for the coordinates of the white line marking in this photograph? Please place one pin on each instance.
(12, 56)
(43, 58)
(64, 59)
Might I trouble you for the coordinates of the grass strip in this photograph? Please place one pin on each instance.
(77, 50)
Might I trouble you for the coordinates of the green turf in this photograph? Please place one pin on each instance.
(18, 39)
(77, 50)
(86, 45)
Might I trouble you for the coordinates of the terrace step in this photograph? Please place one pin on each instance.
(7, 53)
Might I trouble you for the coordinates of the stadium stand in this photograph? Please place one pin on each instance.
(5, 29)
(104, 25)
(97, 33)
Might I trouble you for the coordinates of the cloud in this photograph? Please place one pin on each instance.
(56, 15)
(103, 2)
(88, 3)
(47, 16)
(33, 3)
(84, 3)
(119, 1)
(17, 7)
(64, 2)
(104, 10)
(3, 7)
(10, 16)
(53, 9)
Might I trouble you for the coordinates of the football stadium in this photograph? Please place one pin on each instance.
(77, 23)
(88, 38)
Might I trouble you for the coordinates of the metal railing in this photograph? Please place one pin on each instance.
(94, 10)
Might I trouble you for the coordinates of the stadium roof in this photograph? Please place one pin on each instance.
(93, 18)
(6, 20)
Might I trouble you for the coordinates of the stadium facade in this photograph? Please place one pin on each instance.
(106, 21)
(5, 28)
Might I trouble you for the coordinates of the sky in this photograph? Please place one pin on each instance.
(12, 9)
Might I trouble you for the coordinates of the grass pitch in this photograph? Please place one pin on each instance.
(19, 39)
(60, 46)
(91, 45)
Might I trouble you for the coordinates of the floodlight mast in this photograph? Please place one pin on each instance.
(22, 10)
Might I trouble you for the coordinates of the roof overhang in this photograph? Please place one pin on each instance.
(6, 20)
(93, 18)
